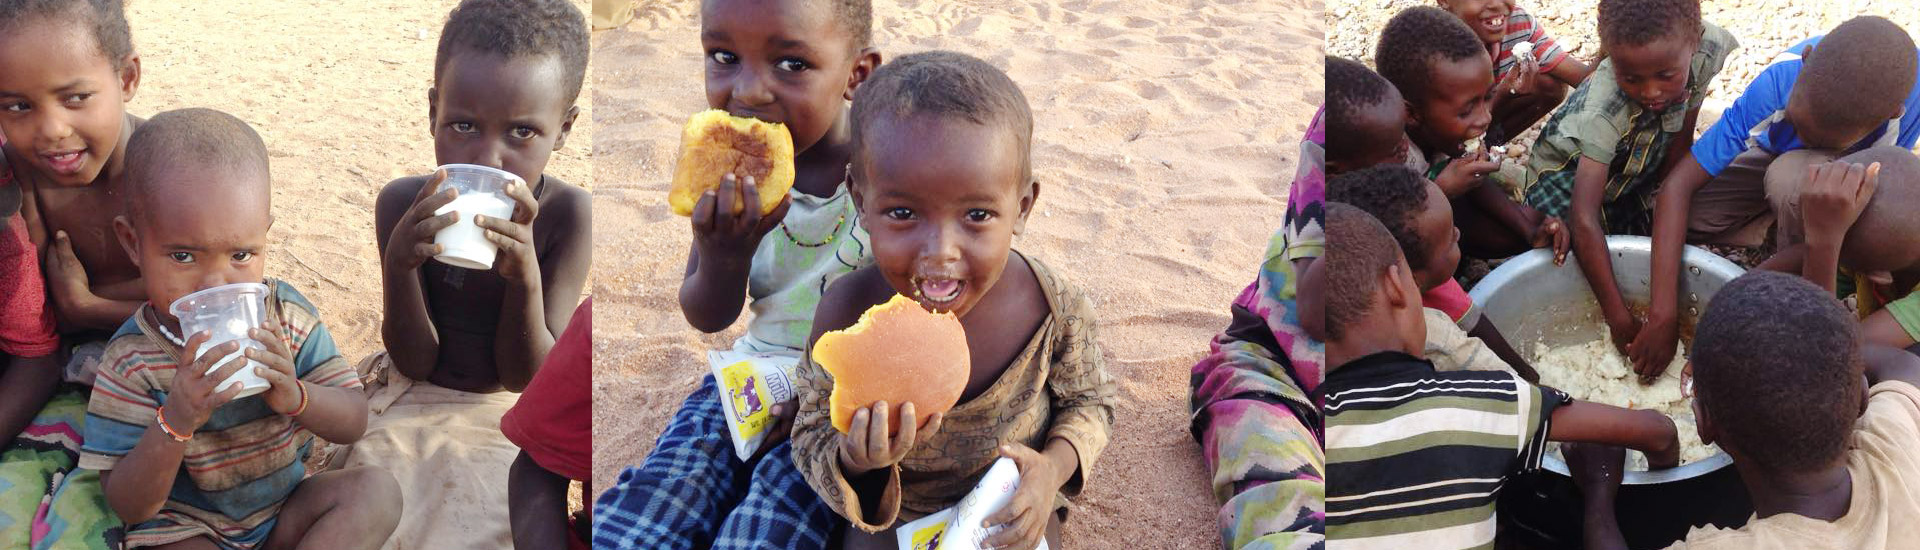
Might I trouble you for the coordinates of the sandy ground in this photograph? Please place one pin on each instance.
(1764, 28)
(338, 91)
(1166, 133)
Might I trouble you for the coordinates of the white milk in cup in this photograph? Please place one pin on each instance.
(481, 190)
(227, 313)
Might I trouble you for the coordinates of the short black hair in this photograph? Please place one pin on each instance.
(1640, 22)
(106, 18)
(1353, 269)
(1352, 89)
(1776, 366)
(1859, 75)
(196, 139)
(1392, 193)
(518, 28)
(856, 17)
(1414, 40)
(1886, 236)
(944, 84)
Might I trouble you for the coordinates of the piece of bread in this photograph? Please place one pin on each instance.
(715, 144)
(899, 352)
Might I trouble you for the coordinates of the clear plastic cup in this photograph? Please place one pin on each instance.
(227, 312)
(482, 190)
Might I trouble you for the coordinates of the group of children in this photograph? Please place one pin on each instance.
(916, 187)
(1428, 412)
(112, 217)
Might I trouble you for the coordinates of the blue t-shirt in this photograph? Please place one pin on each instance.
(1758, 118)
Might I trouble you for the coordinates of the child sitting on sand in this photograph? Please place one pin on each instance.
(1416, 457)
(1532, 81)
(943, 177)
(1438, 65)
(1822, 98)
(67, 71)
(1602, 154)
(1367, 120)
(1415, 212)
(553, 425)
(1828, 460)
(1257, 430)
(692, 490)
(182, 462)
(460, 343)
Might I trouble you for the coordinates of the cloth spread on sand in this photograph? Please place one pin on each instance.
(1056, 387)
(446, 449)
(244, 462)
(46, 501)
(1258, 430)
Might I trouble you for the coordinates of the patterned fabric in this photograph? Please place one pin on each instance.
(46, 502)
(1882, 459)
(1521, 27)
(244, 462)
(26, 323)
(1758, 118)
(1600, 122)
(1257, 429)
(1056, 387)
(1416, 457)
(692, 493)
(788, 276)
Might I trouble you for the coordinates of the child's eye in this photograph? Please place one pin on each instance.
(792, 65)
(181, 257)
(78, 98)
(462, 127)
(523, 133)
(899, 213)
(979, 216)
(17, 107)
(723, 57)
(242, 257)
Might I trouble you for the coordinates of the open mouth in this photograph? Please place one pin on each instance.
(938, 293)
(1494, 24)
(65, 163)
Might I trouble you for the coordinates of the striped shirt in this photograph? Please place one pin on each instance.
(244, 462)
(1522, 28)
(1416, 457)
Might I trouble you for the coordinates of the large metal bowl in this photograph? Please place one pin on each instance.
(1531, 300)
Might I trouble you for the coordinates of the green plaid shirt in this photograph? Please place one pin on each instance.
(1601, 123)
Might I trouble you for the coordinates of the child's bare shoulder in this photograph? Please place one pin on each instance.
(399, 193)
(565, 206)
(848, 297)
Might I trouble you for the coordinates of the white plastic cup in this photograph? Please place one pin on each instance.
(482, 190)
(227, 312)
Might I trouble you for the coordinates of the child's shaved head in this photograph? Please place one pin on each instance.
(1415, 40)
(856, 16)
(169, 155)
(1858, 76)
(519, 28)
(1776, 364)
(1886, 237)
(944, 84)
(105, 19)
(1354, 268)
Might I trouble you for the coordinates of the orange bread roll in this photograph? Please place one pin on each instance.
(715, 144)
(899, 352)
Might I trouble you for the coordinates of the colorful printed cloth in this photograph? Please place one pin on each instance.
(1600, 122)
(244, 462)
(46, 501)
(1057, 387)
(691, 492)
(1257, 428)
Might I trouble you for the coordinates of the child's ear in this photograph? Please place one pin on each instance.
(566, 127)
(129, 76)
(1396, 295)
(433, 110)
(1026, 206)
(129, 239)
(1703, 423)
(1413, 115)
(863, 65)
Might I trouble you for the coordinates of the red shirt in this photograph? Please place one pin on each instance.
(553, 422)
(26, 323)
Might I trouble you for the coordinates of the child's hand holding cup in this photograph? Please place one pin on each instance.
(479, 191)
(226, 313)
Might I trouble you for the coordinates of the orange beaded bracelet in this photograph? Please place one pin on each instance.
(160, 416)
(303, 398)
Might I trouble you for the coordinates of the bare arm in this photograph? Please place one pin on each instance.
(715, 286)
(1653, 348)
(406, 329)
(25, 386)
(539, 303)
(538, 510)
(138, 485)
(1571, 71)
(1646, 431)
(1590, 250)
(1490, 335)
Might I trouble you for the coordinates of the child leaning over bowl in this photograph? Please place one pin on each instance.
(1422, 454)
(1830, 461)
(943, 179)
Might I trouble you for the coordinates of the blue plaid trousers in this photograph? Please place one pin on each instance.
(692, 493)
